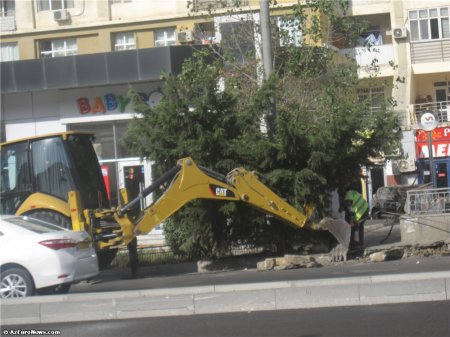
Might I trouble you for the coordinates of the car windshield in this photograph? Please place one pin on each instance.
(34, 225)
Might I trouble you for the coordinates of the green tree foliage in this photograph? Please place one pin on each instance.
(213, 111)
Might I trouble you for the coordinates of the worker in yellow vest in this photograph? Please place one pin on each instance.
(356, 214)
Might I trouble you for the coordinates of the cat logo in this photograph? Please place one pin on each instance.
(220, 191)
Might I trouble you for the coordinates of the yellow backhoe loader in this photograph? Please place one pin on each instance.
(57, 177)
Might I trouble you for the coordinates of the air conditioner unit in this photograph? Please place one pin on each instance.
(185, 36)
(406, 165)
(61, 15)
(400, 33)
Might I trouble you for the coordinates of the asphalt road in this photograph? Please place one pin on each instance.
(427, 319)
(120, 280)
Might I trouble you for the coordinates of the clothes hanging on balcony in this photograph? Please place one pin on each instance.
(373, 39)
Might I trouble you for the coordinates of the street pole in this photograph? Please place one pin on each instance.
(266, 39)
(428, 122)
(431, 157)
(266, 46)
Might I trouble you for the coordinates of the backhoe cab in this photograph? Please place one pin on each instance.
(58, 178)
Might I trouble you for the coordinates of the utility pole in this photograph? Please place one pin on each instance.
(266, 39)
(266, 42)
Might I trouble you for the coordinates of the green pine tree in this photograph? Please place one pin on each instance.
(213, 111)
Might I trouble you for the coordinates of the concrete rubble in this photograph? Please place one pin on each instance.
(439, 248)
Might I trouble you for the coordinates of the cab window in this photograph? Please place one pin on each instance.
(15, 183)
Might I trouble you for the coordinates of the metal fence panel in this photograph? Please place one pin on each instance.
(428, 201)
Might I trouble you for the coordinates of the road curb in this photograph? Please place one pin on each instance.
(348, 291)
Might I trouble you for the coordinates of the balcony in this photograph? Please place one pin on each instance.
(440, 109)
(430, 51)
(205, 5)
(364, 57)
(7, 23)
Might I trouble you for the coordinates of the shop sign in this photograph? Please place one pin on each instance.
(440, 142)
(428, 121)
(111, 102)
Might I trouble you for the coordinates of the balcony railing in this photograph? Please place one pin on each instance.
(8, 23)
(440, 109)
(430, 51)
(202, 5)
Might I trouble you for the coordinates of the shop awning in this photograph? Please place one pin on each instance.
(92, 69)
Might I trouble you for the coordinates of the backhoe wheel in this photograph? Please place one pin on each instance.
(15, 282)
(52, 217)
(55, 290)
(105, 257)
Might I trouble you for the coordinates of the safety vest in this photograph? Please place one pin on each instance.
(359, 205)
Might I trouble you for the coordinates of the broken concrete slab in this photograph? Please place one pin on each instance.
(288, 262)
(387, 255)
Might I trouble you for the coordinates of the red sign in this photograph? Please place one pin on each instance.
(440, 138)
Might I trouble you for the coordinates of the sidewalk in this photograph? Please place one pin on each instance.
(350, 291)
(283, 290)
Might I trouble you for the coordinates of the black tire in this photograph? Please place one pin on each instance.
(16, 282)
(376, 213)
(52, 217)
(62, 288)
(105, 257)
(55, 290)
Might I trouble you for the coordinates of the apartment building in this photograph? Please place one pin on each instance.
(411, 42)
(76, 58)
(73, 60)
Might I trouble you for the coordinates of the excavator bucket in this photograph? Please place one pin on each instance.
(341, 230)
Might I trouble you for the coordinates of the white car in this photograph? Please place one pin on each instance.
(39, 257)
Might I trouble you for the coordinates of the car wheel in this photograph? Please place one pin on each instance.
(52, 217)
(16, 282)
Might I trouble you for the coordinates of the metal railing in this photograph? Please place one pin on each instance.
(430, 51)
(440, 109)
(7, 23)
(429, 201)
(158, 255)
(202, 5)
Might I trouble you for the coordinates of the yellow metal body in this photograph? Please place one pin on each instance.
(109, 228)
(193, 183)
(64, 135)
(44, 201)
(81, 218)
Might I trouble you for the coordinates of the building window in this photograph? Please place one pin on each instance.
(7, 7)
(124, 41)
(373, 97)
(164, 37)
(289, 31)
(56, 48)
(429, 24)
(51, 5)
(9, 52)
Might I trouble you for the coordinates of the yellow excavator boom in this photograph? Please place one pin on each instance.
(189, 181)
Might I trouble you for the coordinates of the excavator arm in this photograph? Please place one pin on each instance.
(188, 182)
